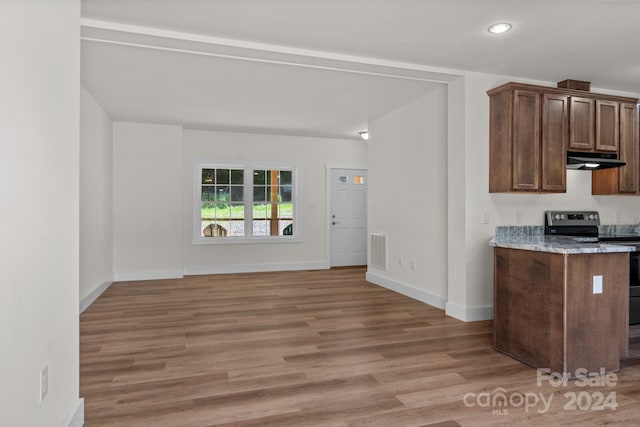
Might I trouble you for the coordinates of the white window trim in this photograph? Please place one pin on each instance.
(248, 168)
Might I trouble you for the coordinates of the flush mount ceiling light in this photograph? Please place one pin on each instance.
(500, 28)
(364, 134)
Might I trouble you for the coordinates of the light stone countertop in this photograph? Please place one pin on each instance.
(555, 244)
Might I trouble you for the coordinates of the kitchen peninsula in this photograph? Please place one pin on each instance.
(559, 303)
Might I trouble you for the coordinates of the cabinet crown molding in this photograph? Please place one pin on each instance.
(559, 91)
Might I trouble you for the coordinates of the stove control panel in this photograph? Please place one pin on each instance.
(575, 218)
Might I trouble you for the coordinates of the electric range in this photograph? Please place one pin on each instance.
(583, 226)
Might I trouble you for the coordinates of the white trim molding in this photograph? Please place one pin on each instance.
(407, 290)
(253, 268)
(466, 314)
(149, 275)
(101, 31)
(75, 418)
(469, 314)
(89, 299)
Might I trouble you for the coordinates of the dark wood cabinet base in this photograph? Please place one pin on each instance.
(547, 316)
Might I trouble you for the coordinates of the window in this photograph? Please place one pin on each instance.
(222, 202)
(242, 202)
(272, 204)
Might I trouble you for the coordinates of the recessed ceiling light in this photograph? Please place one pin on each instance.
(500, 28)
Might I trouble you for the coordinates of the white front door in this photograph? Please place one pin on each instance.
(348, 217)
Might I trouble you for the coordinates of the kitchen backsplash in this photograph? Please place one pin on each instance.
(536, 230)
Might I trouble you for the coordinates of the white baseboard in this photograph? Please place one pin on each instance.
(408, 290)
(469, 314)
(253, 268)
(75, 417)
(149, 275)
(466, 314)
(89, 299)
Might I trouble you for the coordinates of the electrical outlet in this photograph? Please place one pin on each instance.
(44, 383)
(518, 217)
(485, 217)
(597, 284)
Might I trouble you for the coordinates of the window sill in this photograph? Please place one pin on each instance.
(245, 241)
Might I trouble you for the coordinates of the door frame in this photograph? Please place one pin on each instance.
(328, 167)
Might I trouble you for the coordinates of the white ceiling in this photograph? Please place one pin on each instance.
(325, 68)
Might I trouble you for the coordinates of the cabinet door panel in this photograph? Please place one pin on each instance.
(607, 125)
(526, 141)
(628, 175)
(555, 133)
(581, 119)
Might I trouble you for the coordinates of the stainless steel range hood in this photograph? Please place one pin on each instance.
(592, 161)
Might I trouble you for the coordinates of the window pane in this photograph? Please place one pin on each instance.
(286, 228)
(358, 179)
(214, 229)
(236, 211)
(285, 193)
(222, 210)
(260, 228)
(285, 210)
(207, 210)
(260, 211)
(259, 194)
(237, 193)
(272, 210)
(267, 174)
(258, 177)
(285, 177)
(236, 228)
(208, 193)
(222, 193)
(272, 194)
(237, 176)
(208, 176)
(342, 179)
(222, 176)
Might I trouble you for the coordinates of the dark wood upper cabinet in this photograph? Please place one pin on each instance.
(515, 151)
(629, 149)
(526, 141)
(581, 124)
(528, 132)
(531, 128)
(555, 133)
(607, 125)
(624, 180)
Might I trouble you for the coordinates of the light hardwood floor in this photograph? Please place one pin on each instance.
(312, 348)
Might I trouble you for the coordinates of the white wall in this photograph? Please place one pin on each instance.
(39, 219)
(502, 208)
(96, 198)
(407, 158)
(309, 155)
(147, 201)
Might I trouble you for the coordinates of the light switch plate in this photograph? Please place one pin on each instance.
(597, 284)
